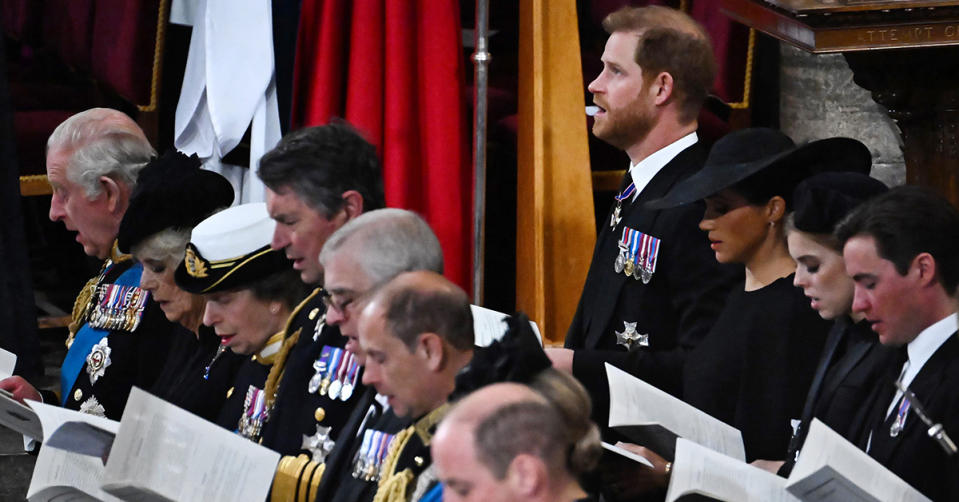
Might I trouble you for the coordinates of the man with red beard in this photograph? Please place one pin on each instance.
(653, 288)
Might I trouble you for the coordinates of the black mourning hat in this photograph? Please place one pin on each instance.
(824, 199)
(516, 357)
(742, 153)
(172, 191)
(230, 250)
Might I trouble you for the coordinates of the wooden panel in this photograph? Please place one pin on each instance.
(607, 181)
(555, 226)
(35, 185)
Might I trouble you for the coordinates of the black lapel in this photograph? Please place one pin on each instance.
(925, 386)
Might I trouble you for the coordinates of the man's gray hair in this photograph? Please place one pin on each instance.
(101, 142)
(386, 243)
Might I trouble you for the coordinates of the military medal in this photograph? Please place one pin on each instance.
(254, 414)
(98, 359)
(319, 369)
(351, 376)
(620, 262)
(119, 307)
(629, 336)
(900, 422)
(617, 212)
(328, 373)
(319, 445)
(336, 371)
(639, 253)
(320, 324)
(362, 456)
(383, 448)
(93, 407)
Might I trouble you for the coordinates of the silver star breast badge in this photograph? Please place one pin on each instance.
(319, 445)
(629, 336)
(93, 407)
(97, 360)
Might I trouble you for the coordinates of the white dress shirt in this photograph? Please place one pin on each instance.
(644, 171)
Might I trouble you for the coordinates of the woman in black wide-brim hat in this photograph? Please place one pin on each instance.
(753, 368)
(250, 291)
(171, 196)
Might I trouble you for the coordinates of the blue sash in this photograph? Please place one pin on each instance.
(87, 337)
(434, 495)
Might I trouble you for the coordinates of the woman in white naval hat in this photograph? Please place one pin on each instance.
(250, 290)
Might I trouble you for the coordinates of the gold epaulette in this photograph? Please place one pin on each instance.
(296, 479)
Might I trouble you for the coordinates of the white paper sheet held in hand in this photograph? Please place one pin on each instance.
(635, 406)
(8, 361)
(623, 452)
(489, 325)
(165, 453)
(700, 471)
(60, 474)
(831, 469)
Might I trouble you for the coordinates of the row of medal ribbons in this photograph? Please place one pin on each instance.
(336, 374)
(368, 463)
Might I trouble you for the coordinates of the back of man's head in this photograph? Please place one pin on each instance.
(907, 221)
(101, 142)
(386, 243)
(425, 302)
(320, 163)
(670, 41)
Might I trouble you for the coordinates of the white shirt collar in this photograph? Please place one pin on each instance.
(926, 344)
(644, 171)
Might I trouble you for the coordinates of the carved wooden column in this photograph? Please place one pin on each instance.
(905, 52)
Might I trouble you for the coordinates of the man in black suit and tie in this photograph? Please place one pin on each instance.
(902, 251)
(654, 287)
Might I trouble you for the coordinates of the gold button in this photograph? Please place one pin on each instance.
(418, 460)
(319, 414)
(313, 313)
(229, 393)
(77, 395)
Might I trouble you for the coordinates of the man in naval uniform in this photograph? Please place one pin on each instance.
(417, 334)
(902, 251)
(318, 179)
(119, 336)
(653, 287)
(367, 252)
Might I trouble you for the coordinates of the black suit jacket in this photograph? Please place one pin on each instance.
(852, 362)
(676, 308)
(912, 454)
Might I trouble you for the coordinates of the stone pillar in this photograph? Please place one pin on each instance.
(819, 99)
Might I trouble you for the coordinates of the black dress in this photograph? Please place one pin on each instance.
(852, 362)
(754, 367)
(195, 377)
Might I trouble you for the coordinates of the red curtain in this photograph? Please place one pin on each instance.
(394, 69)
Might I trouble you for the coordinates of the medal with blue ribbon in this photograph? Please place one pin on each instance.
(638, 254)
(625, 194)
(319, 372)
(337, 368)
(900, 422)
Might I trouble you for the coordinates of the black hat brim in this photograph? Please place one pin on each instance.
(830, 154)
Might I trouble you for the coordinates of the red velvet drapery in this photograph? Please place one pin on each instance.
(394, 69)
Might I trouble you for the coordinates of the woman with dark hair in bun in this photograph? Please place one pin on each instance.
(172, 195)
(250, 291)
(852, 359)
